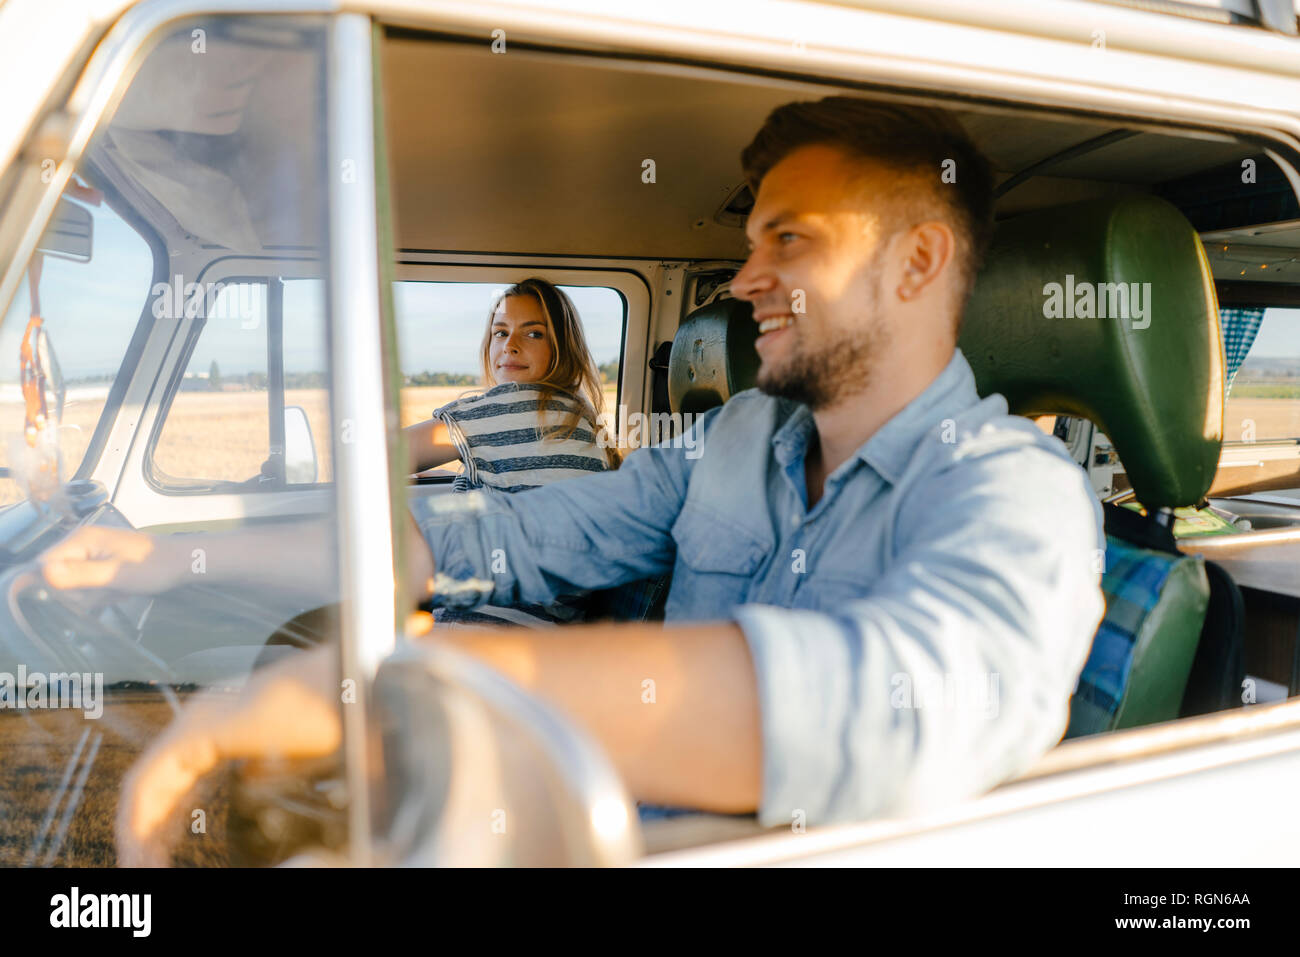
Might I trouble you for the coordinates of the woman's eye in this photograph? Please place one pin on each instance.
(787, 237)
(535, 335)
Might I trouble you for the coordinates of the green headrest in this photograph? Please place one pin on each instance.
(1051, 329)
(713, 356)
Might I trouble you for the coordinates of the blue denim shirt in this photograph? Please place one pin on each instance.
(916, 634)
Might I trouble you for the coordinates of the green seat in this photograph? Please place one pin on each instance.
(1107, 310)
(1151, 377)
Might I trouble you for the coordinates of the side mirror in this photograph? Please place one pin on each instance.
(300, 466)
(70, 234)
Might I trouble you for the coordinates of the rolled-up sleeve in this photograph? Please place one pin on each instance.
(560, 539)
(954, 669)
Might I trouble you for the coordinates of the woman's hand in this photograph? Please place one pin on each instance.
(124, 560)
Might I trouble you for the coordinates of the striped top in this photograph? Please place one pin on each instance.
(507, 446)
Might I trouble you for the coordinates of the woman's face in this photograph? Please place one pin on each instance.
(519, 348)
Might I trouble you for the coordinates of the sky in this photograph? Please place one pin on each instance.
(91, 309)
(1279, 335)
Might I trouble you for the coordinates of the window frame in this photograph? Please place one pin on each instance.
(149, 505)
(228, 272)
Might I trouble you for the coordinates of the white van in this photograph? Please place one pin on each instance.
(261, 238)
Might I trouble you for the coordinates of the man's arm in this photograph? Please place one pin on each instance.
(675, 709)
(572, 536)
(953, 672)
(298, 556)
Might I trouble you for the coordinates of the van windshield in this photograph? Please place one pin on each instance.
(88, 310)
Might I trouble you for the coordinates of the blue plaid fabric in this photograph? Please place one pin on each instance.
(632, 601)
(1131, 583)
(1240, 327)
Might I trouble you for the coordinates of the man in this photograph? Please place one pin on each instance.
(895, 578)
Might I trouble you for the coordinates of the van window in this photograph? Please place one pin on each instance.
(218, 427)
(215, 151)
(1261, 418)
(1263, 354)
(440, 328)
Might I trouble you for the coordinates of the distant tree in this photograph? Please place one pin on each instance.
(214, 376)
(428, 378)
(609, 372)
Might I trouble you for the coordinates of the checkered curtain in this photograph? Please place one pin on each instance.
(1240, 326)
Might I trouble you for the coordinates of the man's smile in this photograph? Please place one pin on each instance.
(772, 329)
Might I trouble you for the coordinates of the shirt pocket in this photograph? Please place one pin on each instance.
(829, 593)
(717, 562)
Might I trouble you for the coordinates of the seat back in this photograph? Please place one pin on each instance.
(1106, 310)
(713, 356)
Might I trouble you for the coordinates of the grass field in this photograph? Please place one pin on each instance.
(40, 747)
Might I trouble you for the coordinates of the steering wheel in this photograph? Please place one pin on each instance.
(52, 631)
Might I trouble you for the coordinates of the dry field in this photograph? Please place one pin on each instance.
(1273, 419)
(223, 435)
(39, 746)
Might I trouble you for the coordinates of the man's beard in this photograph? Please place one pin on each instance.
(820, 372)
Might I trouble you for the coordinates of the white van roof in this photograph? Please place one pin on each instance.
(41, 39)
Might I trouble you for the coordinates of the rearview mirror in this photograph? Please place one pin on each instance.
(299, 447)
(71, 233)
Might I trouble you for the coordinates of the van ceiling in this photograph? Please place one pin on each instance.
(523, 152)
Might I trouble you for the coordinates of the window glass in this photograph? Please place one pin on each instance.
(1264, 396)
(215, 154)
(441, 325)
(218, 427)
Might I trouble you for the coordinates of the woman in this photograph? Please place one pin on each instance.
(535, 423)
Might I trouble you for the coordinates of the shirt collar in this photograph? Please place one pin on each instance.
(891, 448)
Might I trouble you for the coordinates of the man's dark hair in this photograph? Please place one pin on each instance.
(914, 140)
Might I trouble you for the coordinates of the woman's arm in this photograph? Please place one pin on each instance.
(430, 445)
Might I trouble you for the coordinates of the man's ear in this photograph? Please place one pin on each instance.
(927, 250)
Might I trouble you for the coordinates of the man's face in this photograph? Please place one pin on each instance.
(816, 271)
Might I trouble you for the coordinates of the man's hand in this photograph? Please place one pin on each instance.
(94, 557)
(285, 713)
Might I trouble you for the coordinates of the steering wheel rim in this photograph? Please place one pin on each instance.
(79, 635)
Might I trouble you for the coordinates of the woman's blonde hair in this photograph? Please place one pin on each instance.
(572, 368)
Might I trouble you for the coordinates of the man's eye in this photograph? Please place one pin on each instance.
(787, 237)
